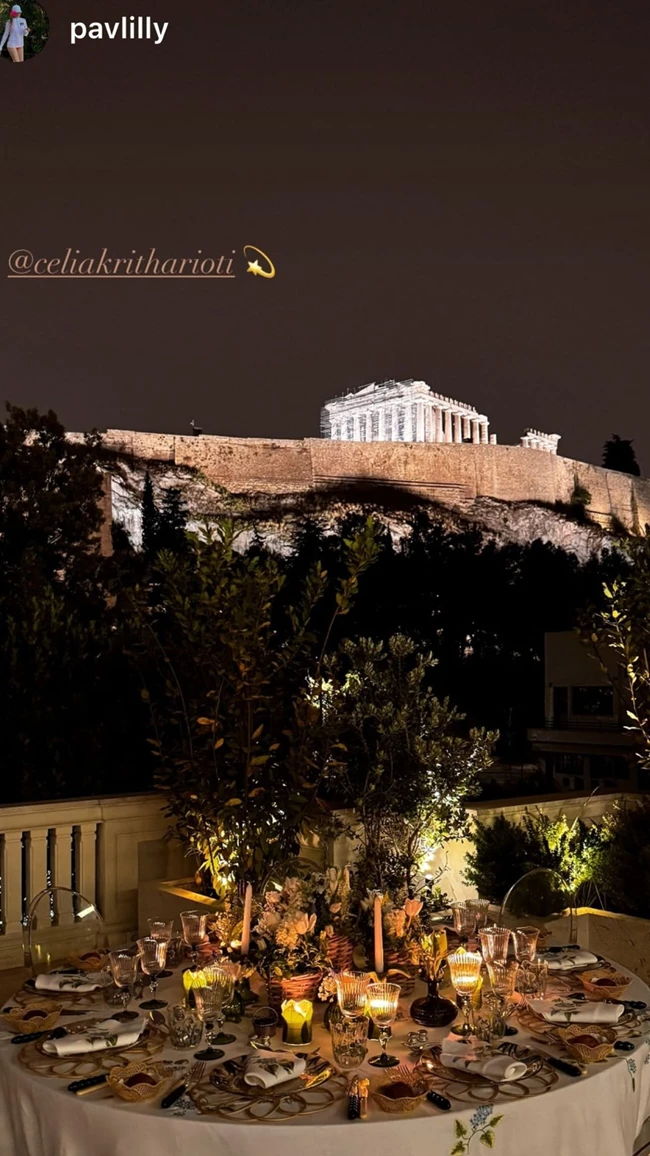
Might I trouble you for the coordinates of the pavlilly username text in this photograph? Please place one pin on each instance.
(23, 263)
(126, 28)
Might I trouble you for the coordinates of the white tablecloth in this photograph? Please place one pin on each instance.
(599, 1114)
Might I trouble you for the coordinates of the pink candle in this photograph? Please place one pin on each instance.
(379, 937)
(246, 929)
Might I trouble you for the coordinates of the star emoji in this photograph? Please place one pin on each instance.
(254, 267)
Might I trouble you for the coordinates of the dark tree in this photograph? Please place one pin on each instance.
(150, 519)
(618, 454)
(172, 521)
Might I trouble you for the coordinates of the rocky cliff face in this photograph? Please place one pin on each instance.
(275, 516)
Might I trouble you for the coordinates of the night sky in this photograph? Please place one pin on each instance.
(455, 192)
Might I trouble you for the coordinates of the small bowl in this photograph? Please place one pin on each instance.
(588, 1044)
(414, 1091)
(38, 1016)
(605, 984)
(136, 1092)
(88, 960)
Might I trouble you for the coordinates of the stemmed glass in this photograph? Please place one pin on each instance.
(503, 977)
(153, 953)
(124, 969)
(382, 1005)
(352, 992)
(465, 971)
(465, 916)
(162, 929)
(220, 977)
(525, 941)
(193, 923)
(208, 1008)
(494, 943)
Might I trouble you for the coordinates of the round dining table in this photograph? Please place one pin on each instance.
(598, 1114)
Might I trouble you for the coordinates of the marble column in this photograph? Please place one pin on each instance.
(419, 431)
(449, 433)
(467, 429)
(458, 428)
(439, 434)
(476, 434)
(484, 432)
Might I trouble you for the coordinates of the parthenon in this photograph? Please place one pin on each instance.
(402, 411)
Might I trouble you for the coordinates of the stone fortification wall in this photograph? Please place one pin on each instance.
(455, 474)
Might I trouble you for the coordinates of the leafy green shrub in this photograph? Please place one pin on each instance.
(623, 867)
(504, 851)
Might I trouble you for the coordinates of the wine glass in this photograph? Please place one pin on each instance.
(382, 1005)
(494, 943)
(352, 992)
(465, 916)
(525, 941)
(208, 1007)
(153, 953)
(162, 929)
(221, 977)
(124, 969)
(503, 977)
(193, 923)
(465, 971)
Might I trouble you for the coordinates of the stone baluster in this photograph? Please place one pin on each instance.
(12, 882)
(85, 837)
(62, 871)
(36, 862)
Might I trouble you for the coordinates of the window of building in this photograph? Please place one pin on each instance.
(374, 426)
(594, 701)
(605, 768)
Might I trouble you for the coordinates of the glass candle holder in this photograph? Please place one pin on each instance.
(503, 977)
(185, 1026)
(382, 1006)
(525, 943)
(349, 1042)
(352, 992)
(265, 1023)
(465, 971)
(193, 924)
(297, 1016)
(494, 943)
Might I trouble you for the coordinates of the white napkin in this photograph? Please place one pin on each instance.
(473, 1056)
(565, 960)
(107, 1034)
(266, 1069)
(576, 1011)
(56, 981)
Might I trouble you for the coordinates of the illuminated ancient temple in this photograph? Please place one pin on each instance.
(402, 411)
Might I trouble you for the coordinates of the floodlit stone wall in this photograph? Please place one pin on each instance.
(451, 473)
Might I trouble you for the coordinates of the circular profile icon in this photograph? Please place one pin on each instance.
(24, 29)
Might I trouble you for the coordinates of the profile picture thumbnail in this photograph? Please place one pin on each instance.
(24, 30)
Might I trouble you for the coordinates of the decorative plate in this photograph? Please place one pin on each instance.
(85, 1064)
(472, 1088)
(29, 992)
(222, 1093)
(628, 1024)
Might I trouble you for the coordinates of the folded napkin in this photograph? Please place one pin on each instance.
(473, 1056)
(567, 959)
(576, 1011)
(266, 1069)
(97, 1037)
(57, 981)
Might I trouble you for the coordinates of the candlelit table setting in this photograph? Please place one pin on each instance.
(212, 1060)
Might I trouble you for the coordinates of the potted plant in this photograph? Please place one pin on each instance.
(289, 948)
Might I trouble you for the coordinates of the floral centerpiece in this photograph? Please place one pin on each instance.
(333, 908)
(289, 948)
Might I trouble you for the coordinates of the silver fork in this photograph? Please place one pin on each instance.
(195, 1075)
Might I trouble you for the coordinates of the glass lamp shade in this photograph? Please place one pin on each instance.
(465, 970)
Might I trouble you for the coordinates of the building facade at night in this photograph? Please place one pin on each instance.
(402, 411)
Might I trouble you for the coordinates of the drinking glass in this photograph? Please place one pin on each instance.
(503, 977)
(490, 1025)
(525, 941)
(532, 980)
(208, 1007)
(193, 923)
(494, 943)
(185, 1026)
(162, 929)
(153, 953)
(349, 1041)
(465, 971)
(124, 969)
(352, 992)
(481, 911)
(265, 1022)
(465, 917)
(221, 977)
(382, 1005)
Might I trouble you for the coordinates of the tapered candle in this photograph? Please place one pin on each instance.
(379, 937)
(246, 929)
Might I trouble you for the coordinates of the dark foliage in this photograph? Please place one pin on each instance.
(618, 454)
